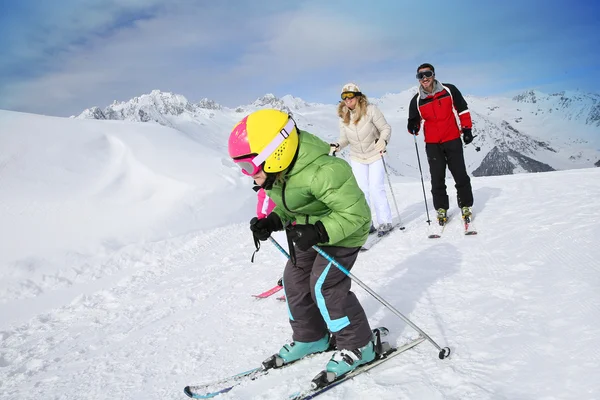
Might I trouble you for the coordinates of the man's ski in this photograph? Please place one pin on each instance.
(469, 229)
(220, 386)
(440, 232)
(316, 390)
(468, 225)
(268, 293)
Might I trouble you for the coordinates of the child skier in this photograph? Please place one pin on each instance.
(320, 193)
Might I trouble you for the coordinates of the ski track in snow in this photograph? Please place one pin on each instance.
(518, 300)
(103, 325)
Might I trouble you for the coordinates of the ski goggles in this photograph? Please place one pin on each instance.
(349, 95)
(424, 74)
(253, 163)
(247, 165)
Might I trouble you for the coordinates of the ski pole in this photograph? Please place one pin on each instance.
(422, 183)
(285, 253)
(391, 190)
(477, 148)
(281, 249)
(444, 352)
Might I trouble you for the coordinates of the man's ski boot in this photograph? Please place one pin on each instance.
(466, 214)
(442, 216)
(296, 350)
(372, 229)
(345, 361)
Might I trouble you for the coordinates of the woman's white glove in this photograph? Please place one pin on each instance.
(380, 145)
(333, 148)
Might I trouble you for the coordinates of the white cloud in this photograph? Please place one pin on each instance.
(234, 55)
(149, 54)
(197, 51)
(295, 42)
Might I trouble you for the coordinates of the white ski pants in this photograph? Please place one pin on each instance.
(371, 180)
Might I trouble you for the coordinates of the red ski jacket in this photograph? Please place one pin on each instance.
(437, 111)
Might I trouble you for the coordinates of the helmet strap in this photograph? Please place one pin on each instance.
(270, 181)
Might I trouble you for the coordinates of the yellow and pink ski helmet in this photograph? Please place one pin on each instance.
(269, 135)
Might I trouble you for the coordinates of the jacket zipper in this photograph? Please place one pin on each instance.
(358, 139)
(357, 135)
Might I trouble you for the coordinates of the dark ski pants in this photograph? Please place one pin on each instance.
(319, 298)
(448, 154)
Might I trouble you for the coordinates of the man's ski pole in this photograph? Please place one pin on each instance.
(422, 183)
(444, 352)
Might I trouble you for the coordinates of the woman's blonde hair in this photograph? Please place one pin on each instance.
(360, 109)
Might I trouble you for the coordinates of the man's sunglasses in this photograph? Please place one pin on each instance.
(349, 95)
(424, 74)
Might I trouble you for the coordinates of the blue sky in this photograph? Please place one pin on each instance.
(58, 58)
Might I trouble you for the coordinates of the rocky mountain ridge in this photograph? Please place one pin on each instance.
(513, 135)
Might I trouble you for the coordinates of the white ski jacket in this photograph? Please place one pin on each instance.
(362, 136)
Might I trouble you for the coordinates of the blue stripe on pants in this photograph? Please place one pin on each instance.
(286, 302)
(333, 325)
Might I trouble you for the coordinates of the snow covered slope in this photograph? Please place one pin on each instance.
(125, 273)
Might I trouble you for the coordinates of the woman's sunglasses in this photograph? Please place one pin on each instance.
(349, 95)
(424, 74)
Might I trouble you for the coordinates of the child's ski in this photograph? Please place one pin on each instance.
(268, 293)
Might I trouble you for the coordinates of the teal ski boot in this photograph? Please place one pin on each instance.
(294, 351)
(344, 361)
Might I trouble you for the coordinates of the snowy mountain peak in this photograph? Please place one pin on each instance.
(271, 101)
(155, 106)
(529, 96)
(294, 103)
(92, 113)
(164, 102)
(209, 104)
(402, 97)
(267, 99)
(570, 105)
